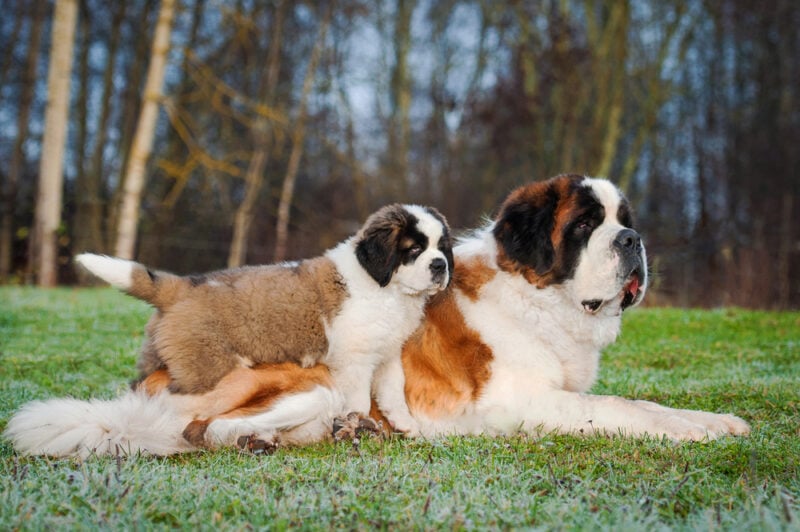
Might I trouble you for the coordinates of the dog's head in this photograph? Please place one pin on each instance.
(577, 232)
(409, 245)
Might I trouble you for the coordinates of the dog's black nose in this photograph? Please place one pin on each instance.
(628, 240)
(438, 266)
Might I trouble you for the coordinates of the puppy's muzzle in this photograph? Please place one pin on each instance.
(439, 271)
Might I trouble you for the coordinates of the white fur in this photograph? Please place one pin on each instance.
(370, 329)
(114, 271)
(128, 424)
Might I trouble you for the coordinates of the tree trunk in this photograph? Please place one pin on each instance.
(298, 140)
(17, 154)
(145, 132)
(254, 178)
(91, 211)
(400, 90)
(51, 178)
(83, 189)
(131, 105)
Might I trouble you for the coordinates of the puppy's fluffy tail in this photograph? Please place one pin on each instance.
(130, 424)
(160, 289)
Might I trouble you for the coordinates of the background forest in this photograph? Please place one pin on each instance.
(281, 124)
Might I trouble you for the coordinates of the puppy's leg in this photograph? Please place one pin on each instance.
(388, 389)
(355, 382)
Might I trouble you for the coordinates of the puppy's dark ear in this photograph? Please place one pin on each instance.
(524, 228)
(446, 243)
(378, 241)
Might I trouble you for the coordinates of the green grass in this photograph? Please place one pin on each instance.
(83, 343)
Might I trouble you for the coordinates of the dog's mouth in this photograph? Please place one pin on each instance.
(631, 290)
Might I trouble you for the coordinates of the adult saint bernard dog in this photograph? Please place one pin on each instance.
(512, 345)
(351, 309)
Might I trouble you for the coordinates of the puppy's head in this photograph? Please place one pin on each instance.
(408, 245)
(577, 232)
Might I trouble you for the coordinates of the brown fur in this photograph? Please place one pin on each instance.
(245, 392)
(562, 188)
(470, 276)
(445, 362)
(242, 392)
(208, 326)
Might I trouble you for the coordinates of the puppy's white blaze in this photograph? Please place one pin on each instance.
(114, 271)
(427, 224)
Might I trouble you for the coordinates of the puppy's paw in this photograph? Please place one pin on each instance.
(255, 445)
(353, 426)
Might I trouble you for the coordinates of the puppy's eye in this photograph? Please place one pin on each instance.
(414, 250)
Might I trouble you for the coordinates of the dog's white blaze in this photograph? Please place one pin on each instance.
(116, 272)
(427, 223)
(606, 193)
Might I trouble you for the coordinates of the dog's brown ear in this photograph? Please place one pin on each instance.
(378, 241)
(524, 227)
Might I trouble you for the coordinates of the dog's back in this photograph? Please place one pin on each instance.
(208, 324)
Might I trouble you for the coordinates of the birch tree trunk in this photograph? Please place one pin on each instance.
(298, 139)
(145, 132)
(51, 178)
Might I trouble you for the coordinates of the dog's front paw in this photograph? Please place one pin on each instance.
(353, 426)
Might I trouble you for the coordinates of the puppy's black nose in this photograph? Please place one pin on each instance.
(438, 266)
(628, 240)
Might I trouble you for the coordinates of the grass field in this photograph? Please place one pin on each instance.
(83, 343)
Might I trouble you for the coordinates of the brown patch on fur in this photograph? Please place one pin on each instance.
(383, 422)
(445, 362)
(540, 196)
(154, 383)
(470, 275)
(245, 392)
(195, 432)
(264, 314)
(248, 391)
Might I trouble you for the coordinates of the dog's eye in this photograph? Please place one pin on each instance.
(585, 225)
(414, 250)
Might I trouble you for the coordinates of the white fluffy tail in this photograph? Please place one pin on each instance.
(116, 272)
(129, 424)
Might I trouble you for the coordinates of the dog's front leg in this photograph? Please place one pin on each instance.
(573, 412)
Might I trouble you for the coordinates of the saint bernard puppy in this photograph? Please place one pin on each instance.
(351, 309)
(512, 345)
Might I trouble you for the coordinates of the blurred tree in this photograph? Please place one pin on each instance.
(134, 179)
(51, 177)
(17, 157)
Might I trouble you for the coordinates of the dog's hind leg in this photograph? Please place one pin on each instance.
(294, 419)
